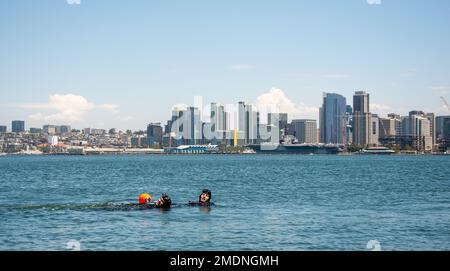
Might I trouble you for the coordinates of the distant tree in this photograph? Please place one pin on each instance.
(354, 148)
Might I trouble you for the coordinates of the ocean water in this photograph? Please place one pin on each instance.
(262, 202)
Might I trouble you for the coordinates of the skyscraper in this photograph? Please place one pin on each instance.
(304, 130)
(251, 136)
(193, 129)
(349, 123)
(281, 125)
(440, 124)
(18, 126)
(219, 125)
(333, 119)
(374, 129)
(154, 134)
(176, 126)
(419, 128)
(242, 124)
(446, 133)
(2, 129)
(431, 117)
(361, 118)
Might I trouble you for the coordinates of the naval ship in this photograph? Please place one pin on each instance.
(293, 147)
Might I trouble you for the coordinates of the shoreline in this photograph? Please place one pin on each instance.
(217, 153)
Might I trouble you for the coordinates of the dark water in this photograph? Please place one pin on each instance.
(279, 202)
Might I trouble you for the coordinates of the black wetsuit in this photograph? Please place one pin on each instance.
(198, 203)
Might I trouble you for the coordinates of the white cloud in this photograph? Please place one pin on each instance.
(66, 108)
(374, 2)
(240, 67)
(276, 97)
(380, 109)
(73, 2)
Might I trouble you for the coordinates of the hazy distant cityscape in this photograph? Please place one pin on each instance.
(353, 127)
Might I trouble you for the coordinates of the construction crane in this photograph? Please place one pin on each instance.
(445, 102)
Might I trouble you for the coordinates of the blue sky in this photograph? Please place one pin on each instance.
(126, 63)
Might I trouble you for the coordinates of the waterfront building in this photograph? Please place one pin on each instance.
(242, 124)
(251, 136)
(349, 124)
(192, 122)
(154, 134)
(440, 124)
(333, 120)
(446, 132)
(305, 130)
(218, 123)
(432, 118)
(18, 126)
(417, 126)
(361, 118)
(139, 141)
(282, 124)
(374, 130)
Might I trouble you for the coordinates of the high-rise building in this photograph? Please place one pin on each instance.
(361, 118)
(219, 123)
(281, 125)
(440, 121)
(418, 127)
(18, 126)
(349, 124)
(432, 118)
(374, 130)
(193, 129)
(389, 127)
(3, 129)
(49, 129)
(446, 131)
(398, 123)
(304, 130)
(333, 119)
(62, 129)
(154, 134)
(242, 124)
(252, 124)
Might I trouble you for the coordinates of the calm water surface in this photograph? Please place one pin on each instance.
(263, 202)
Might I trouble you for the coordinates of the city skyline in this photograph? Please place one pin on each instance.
(261, 106)
(77, 64)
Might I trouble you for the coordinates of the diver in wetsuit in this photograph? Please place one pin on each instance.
(204, 199)
(145, 201)
(163, 202)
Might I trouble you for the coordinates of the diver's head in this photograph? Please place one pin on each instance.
(164, 201)
(205, 196)
(144, 198)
